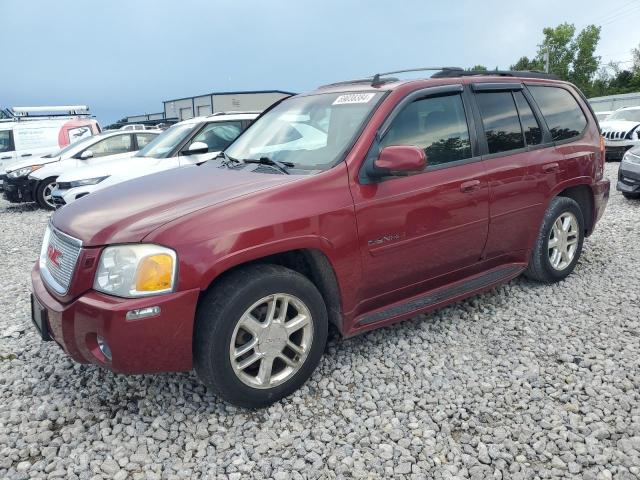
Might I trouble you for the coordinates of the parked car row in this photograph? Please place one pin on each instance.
(105, 159)
(361, 203)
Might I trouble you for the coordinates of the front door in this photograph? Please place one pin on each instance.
(416, 228)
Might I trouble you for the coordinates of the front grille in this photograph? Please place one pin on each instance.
(58, 259)
(611, 135)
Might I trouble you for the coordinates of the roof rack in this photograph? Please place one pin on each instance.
(458, 72)
(445, 72)
(51, 111)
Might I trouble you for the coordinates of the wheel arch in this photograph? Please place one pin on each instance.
(582, 194)
(313, 263)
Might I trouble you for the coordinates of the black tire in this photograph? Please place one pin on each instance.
(631, 196)
(40, 193)
(540, 267)
(220, 310)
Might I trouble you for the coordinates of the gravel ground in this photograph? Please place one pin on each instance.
(527, 381)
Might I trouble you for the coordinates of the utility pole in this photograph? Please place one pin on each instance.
(546, 61)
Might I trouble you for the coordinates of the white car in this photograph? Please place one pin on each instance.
(189, 142)
(620, 131)
(602, 115)
(30, 132)
(33, 179)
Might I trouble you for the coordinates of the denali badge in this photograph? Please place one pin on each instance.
(54, 255)
(387, 238)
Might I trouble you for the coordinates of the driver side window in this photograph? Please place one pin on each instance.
(436, 124)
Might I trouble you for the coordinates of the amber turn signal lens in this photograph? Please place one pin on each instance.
(154, 273)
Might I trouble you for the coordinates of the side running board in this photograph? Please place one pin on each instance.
(442, 294)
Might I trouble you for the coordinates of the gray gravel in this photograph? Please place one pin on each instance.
(527, 381)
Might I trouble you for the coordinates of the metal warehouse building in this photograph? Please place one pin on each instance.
(613, 102)
(189, 107)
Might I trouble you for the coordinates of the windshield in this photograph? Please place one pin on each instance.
(166, 142)
(311, 132)
(631, 115)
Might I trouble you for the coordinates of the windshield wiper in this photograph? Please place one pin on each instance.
(228, 161)
(281, 166)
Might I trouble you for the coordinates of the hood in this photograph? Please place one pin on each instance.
(32, 161)
(622, 126)
(129, 211)
(116, 166)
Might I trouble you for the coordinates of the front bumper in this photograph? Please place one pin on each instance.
(20, 190)
(161, 343)
(615, 149)
(628, 178)
(64, 196)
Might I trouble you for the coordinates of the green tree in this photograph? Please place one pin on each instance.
(559, 44)
(585, 63)
(479, 68)
(525, 64)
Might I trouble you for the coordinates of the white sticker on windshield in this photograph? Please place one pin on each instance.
(353, 98)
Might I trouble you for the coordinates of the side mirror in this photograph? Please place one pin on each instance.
(399, 160)
(86, 154)
(196, 148)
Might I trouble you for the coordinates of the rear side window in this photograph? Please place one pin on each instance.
(436, 124)
(530, 126)
(561, 111)
(112, 146)
(500, 120)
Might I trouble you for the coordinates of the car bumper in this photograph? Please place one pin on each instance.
(62, 197)
(600, 199)
(628, 178)
(161, 343)
(19, 190)
(615, 150)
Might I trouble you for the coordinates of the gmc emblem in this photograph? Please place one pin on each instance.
(54, 255)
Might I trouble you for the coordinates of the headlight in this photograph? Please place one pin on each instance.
(23, 172)
(136, 270)
(87, 181)
(631, 158)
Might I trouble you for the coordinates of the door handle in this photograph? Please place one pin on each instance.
(25, 155)
(470, 186)
(550, 168)
(5, 158)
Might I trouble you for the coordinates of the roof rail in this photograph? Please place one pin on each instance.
(51, 111)
(377, 79)
(450, 73)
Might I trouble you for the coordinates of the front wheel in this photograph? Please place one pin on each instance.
(43, 193)
(559, 242)
(259, 334)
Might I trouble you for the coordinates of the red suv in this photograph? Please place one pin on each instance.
(362, 203)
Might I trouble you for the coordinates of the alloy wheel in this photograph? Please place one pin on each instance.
(271, 341)
(563, 241)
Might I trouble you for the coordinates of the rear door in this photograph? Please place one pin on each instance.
(114, 145)
(513, 142)
(142, 139)
(413, 229)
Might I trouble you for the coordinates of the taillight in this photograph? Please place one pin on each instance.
(601, 160)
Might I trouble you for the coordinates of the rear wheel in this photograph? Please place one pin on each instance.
(559, 242)
(259, 335)
(43, 193)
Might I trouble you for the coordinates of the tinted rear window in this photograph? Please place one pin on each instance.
(500, 120)
(532, 132)
(561, 111)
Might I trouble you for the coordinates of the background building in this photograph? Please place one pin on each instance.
(613, 102)
(189, 107)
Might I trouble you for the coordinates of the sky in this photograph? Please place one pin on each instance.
(124, 57)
